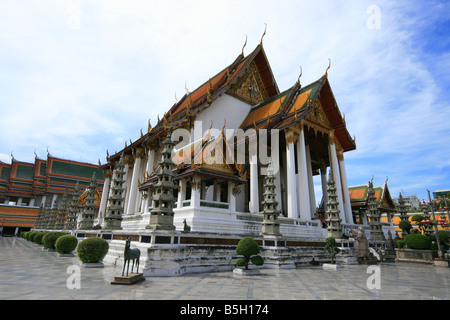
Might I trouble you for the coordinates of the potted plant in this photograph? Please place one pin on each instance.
(249, 249)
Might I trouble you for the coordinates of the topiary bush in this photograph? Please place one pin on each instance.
(92, 250)
(248, 248)
(31, 235)
(406, 226)
(332, 248)
(400, 244)
(66, 244)
(38, 237)
(417, 241)
(50, 238)
(25, 235)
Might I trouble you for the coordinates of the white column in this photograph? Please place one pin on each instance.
(104, 200)
(231, 197)
(345, 192)
(337, 181)
(254, 197)
(181, 193)
(131, 205)
(195, 192)
(312, 194)
(127, 178)
(303, 184)
(292, 209)
(323, 177)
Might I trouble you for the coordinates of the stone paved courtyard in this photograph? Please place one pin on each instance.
(29, 273)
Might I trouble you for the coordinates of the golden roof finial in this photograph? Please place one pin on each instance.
(185, 87)
(141, 133)
(301, 72)
(329, 65)
(260, 43)
(242, 53)
(149, 127)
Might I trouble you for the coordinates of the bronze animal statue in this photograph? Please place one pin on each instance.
(130, 254)
(186, 226)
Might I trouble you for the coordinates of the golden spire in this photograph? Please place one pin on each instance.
(329, 65)
(242, 53)
(149, 127)
(260, 43)
(301, 72)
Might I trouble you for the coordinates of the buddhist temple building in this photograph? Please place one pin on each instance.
(359, 196)
(226, 132)
(25, 187)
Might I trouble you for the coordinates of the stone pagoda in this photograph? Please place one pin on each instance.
(88, 215)
(54, 213)
(46, 213)
(113, 217)
(270, 224)
(71, 222)
(62, 211)
(402, 208)
(376, 230)
(39, 218)
(332, 212)
(161, 215)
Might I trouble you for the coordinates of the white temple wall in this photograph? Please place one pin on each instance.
(224, 107)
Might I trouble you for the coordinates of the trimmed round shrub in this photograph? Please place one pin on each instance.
(38, 237)
(400, 244)
(50, 238)
(66, 244)
(248, 248)
(405, 225)
(91, 250)
(32, 234)
(24, 235)
(257, 260)
(417, 241)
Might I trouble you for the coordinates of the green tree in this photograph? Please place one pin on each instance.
(332, 248)
(248, 248)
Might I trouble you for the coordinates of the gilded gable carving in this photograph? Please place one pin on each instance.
(249, 87)
(317, 118)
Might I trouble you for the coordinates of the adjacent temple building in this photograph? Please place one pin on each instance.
(231, 127)
(26, 187)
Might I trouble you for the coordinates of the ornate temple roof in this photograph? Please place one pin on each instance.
(359, 196)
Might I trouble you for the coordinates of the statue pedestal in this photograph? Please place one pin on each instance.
(130, 279)
(243, 272)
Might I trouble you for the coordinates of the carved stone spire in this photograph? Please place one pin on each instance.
(61, 215)
(87, 217)
(376, 230)
(161, 215)
(332, 211)
(270, 224)
(114, 212)
(402, 208)
(71, 222)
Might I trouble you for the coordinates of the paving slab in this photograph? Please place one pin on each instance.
(29, 273)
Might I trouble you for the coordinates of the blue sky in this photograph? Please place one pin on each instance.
(81, 77)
